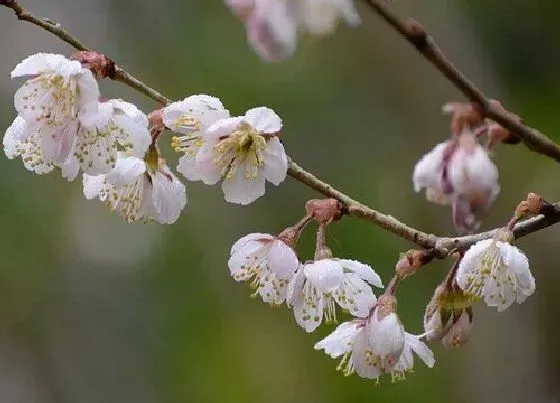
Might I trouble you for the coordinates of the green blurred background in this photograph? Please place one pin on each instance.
(96, 310)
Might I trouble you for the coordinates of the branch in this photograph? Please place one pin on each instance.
(441, 246)
(415, 34)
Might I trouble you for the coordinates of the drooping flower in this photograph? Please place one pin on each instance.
(475, 180)
(246, 152)
(497, 272)
(318, 286)
(448, 317)
(376, 345)
(459, 172)
(139, 189)
(273, 25)
(191, 118)
(268, 262)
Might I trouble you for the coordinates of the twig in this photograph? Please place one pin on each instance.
(442, 246)
(415, 34)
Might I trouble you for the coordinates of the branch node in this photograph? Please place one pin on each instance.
(417, 34)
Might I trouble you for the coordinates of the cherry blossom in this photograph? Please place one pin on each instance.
(318, 286)
(497, 272)
(268, 262)
(191, 118)
(139, 190)
(244, 151)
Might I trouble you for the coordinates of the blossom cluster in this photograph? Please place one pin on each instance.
(371, 343)
(64, 124)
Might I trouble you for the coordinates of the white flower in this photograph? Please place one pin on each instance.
(267, 261)
(372, 347)
(65, 120)
(318, 285)
(496, 271)
(192, 117)
(50, 101)
(459, 172)
(273, 25)
(139, 190)
(245, 151)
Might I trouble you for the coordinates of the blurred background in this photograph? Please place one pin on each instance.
(95, 310)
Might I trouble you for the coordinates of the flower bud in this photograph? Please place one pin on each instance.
(448, 317)
(324, 210)
(100, 65)
(411, 261)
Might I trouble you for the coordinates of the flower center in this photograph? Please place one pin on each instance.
(63, 103)
(242, 149)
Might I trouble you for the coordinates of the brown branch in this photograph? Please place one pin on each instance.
(415, 34)
(441, 246)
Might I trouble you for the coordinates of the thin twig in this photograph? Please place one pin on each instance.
(415, 34)
(442, 246)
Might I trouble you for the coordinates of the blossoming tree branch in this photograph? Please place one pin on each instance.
(64, 125)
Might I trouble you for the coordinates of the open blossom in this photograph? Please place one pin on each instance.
(319, 285)
(459, 172)
(268, 262)
(273, 25)
(496, 271)
(376, 345)
(139, 189)
(244, 151)
(191, 118)
(65, 124)
(16, 144)
(448, 317)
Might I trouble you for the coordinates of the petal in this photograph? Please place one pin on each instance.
(256, 236)
(264, 120)
(272, 30)
(46, 63)
(12, 138)
(131, 129)
(359, 358)
(70, 169)
(364, 271)
(427, 171)
(275, 161)
(93, 185)
(355, 295)
(308, 311)
(282, 260)
(168, 196)
(244, 258)
(126, 171)
(386, 337)
(325, 274)
(205, 167)
(295, 287)
(206, 110)
(470, 261)
(421, 349)
(224, 127)
(242, 190)
(340, 341)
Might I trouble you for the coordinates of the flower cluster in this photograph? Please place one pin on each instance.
(373, 342)
(64, 124)
(273, 25)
